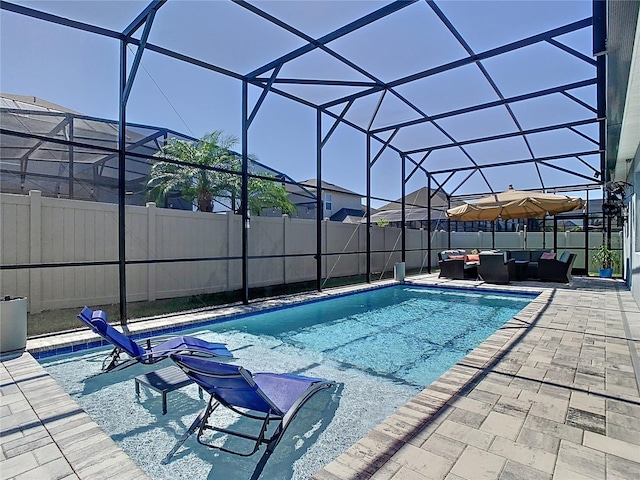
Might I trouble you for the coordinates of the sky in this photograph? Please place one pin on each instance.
(79, 71)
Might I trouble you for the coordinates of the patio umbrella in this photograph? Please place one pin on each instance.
(515, 204)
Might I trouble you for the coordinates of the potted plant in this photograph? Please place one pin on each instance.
(605, 259)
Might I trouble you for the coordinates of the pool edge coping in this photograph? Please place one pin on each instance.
(82, 338)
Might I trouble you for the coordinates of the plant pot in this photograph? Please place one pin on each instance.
(13, 323)
(606, 272)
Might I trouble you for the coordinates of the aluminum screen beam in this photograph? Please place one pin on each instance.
(418, 165)
(319, 202)
(341, 32)
(506, 135)
(245, 192)
(141, 19)
(48, 17)
(309, 81)
(138, 58)
(541, 37)
(516, 162)
(496, 103)
(428, 223)
(403, 196)
(263, 95)
(122, 184)
(378, 85)
(368, 234)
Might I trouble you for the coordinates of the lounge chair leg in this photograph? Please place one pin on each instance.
(184, 437)
(113, 358)
(271, 446)
(261, 464)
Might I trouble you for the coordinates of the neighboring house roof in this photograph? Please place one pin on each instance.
(417, 197)
(352, 219)
(312, 182)
(411, 215)
(32, 115)
(348, 213)
(29, 102)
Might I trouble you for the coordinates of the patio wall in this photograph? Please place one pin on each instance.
(38, 229)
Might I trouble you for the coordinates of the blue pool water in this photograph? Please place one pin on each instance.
(383, 346)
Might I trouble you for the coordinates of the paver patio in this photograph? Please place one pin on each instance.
(553, 394)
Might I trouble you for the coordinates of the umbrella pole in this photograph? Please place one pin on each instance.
(493, 234)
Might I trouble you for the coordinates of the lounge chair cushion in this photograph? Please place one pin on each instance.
(495, 254)
(520, 255)
(283, 389)
(191, 344)
(537, 254)
(119, 339)
(446, 254)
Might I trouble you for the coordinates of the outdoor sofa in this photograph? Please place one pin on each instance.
(457, 265)
(530, 256)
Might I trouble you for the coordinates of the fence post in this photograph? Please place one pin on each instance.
(152, 240)
(35, 251)
(325, 256)
(285, 217)
(362, 245)
(229, 240)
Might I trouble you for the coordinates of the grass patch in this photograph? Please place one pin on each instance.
(56, 321)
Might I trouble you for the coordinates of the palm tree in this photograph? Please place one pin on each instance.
(204, 186)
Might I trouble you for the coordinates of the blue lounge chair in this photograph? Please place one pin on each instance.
(97, 321)
(266, 397)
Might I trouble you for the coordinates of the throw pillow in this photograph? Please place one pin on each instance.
(456, 257)
(548, 256)
(473, 258)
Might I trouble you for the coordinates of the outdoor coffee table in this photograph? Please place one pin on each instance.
(164, 381)
(521, 269)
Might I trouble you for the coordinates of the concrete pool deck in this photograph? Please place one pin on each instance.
(553, 394)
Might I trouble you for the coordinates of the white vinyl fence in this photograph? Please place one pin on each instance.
(42, 230)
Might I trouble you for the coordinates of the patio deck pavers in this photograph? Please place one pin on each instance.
(552, 395)
(543, 401)
(44, 434)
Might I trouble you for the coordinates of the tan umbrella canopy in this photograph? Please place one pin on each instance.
(515, 204)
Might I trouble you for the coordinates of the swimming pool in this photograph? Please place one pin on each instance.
(384, 346)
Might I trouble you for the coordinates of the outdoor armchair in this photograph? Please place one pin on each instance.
(495, 268)
(557, 270)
